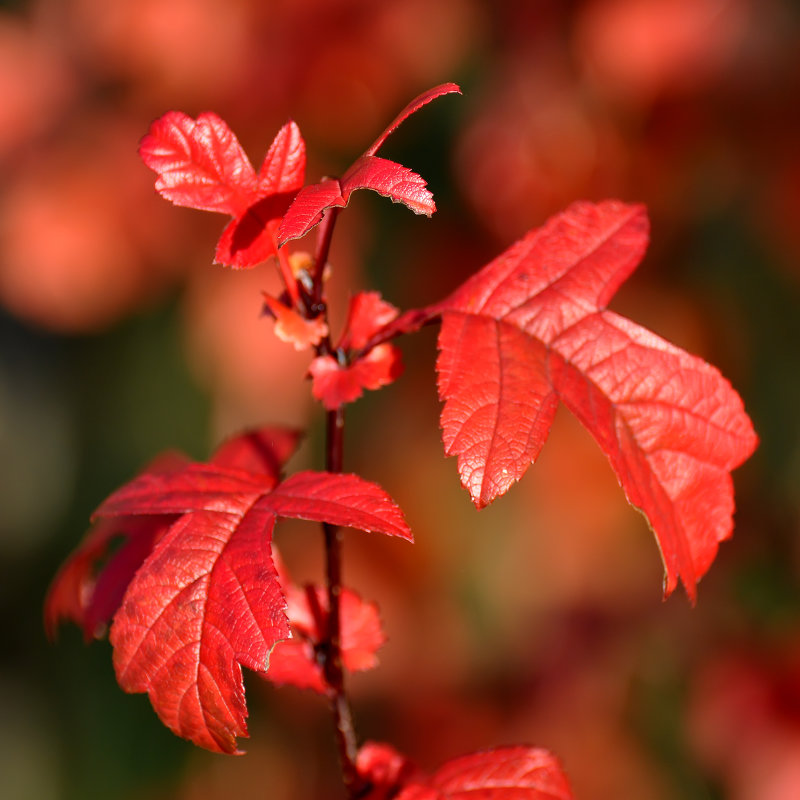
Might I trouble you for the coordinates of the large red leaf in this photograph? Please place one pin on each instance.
(200, 164)
(531, 329)
(207, 600)
(385, 177)
(504, 773)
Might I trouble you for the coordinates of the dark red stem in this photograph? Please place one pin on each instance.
(323, 249)
(332, 651)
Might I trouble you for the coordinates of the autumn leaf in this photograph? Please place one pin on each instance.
(392, 180)
(503, 773)
(200, 164)
(531, 329)
(337, 381)
(294, 661)
(207, 599)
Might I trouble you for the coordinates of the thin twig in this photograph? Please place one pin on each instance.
(332, 652)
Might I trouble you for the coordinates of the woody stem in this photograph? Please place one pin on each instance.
(332, 652)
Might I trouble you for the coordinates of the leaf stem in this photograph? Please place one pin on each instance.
(332, 652)
(289, 280)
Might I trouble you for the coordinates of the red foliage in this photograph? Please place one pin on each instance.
(195, 592)
(368, 172)
(201, 593)
(531, 328)
(201, 164)
(294, 661)
(504, 773)
(336, 382)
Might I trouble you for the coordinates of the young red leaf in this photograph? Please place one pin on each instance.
(201, 164)
(207, 600)
(531, 328)
(504, 773)
(385, 771)
(294, 661)
(335, 384)
(385, 177)
(367, 313)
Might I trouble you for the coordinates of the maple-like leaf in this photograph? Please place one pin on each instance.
(196, 546)
(207, 600)
(503, 773)
(200, 164)
(385, 177)
(531, 329)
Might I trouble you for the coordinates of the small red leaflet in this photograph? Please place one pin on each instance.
(335, 383)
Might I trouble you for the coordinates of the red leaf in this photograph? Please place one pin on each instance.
(530, 329)
(339, 499)
(385, 770)
(385, 177)
(367, 313)
(392, 180)
(415, 105)
(265, 450)
(208, 598)
(204, 602)
(201, 164)
(335, 384)
(294, 661)
(504, 773)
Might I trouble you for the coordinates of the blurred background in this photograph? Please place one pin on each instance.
(538, 620)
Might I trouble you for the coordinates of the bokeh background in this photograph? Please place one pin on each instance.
(538, 620)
